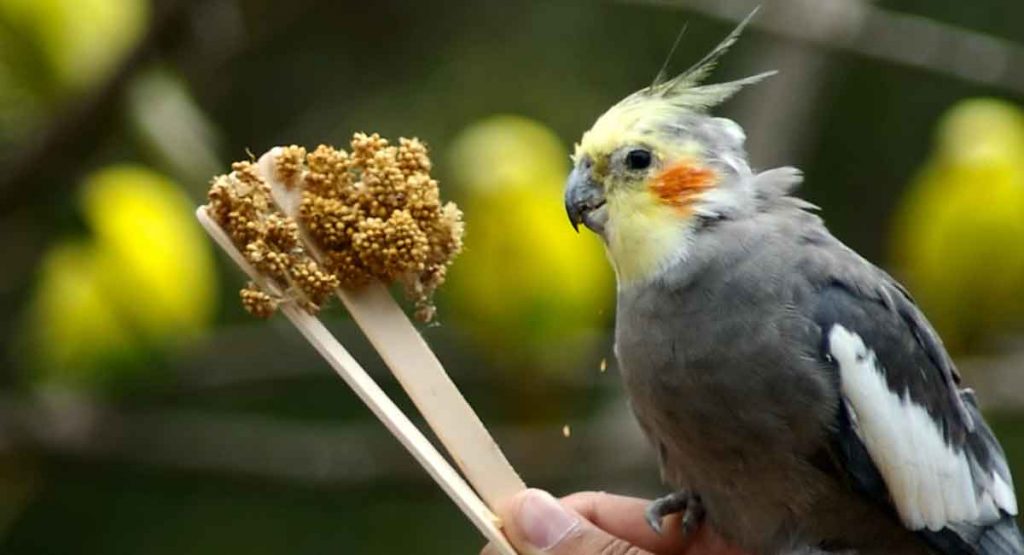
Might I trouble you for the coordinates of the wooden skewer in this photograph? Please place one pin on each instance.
(431, 389)
(419, 371)
(374, 397)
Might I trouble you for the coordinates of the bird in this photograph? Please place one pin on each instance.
(797, 398)
(958, 232)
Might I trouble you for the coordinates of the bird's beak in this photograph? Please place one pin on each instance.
(584, 200)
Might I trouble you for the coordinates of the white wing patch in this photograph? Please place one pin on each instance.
(930, 482)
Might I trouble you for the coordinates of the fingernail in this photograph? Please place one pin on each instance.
(544, 521)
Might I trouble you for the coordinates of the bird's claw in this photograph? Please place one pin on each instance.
(679, 502)
(692, 516)
(653, 520)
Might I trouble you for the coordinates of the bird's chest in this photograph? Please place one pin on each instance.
(735, 409)
(715, 386)
(679, 405)
(684, 408)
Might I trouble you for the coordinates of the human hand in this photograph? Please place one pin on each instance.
(594, 523)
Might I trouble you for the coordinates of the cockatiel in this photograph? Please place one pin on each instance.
(796, 396)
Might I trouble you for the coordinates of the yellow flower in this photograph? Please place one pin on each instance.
(82, 40)
(145, 281)
(156, 263)
(75, 332)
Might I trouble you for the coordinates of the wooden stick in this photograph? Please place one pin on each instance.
(374, 397)
(416, 367)
(431, 389)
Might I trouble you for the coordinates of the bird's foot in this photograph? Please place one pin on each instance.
(682, 501)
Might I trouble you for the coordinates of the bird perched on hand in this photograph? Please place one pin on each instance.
(797, 397)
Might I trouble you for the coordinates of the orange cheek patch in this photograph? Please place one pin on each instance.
(678, 184)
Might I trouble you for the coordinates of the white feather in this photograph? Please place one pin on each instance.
(1003, 494)
(930, 481)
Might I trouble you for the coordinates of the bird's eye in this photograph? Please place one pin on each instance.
(638, 159)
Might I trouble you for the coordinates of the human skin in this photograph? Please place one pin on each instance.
(596, 523)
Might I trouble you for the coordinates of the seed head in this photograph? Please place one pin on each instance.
(257, 302)
(373, 213)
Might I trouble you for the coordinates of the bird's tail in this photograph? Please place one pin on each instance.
(1002, 537)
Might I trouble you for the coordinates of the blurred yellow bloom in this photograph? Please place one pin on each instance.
(146, 280)
(530, 290)
(155, 261)
(82, 40)
(508, 152)
(75, 330)
(958, 238)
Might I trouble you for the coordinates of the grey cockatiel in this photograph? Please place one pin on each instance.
(797, 397)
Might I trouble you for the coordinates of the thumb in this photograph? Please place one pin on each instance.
(536, 523)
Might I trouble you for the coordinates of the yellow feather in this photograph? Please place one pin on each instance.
(623, 124)
(643, 235)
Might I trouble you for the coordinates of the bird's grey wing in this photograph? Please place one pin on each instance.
(906, 434)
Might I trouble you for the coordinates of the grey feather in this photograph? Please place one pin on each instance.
(779, 182)
(722, 358)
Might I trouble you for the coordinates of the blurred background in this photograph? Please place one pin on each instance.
(141, 411)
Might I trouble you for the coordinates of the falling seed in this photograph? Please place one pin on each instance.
(566, 431)
(604, 364)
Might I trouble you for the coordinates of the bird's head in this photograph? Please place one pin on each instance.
(656, 165)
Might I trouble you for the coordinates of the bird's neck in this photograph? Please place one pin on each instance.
(643, 239)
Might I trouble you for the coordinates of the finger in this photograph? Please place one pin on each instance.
(624, 517)
(536, 523)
